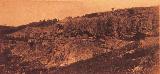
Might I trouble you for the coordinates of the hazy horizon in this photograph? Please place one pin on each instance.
(19, 12)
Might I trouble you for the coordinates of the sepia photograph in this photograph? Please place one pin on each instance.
(79, 37)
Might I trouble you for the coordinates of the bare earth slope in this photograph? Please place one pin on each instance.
(123, 41)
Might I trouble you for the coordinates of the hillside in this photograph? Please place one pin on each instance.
(123, 41)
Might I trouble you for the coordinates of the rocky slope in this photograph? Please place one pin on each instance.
(123, 41)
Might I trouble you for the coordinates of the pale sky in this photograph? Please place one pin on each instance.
(19, 12)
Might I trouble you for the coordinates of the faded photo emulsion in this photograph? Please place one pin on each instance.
(79, 37)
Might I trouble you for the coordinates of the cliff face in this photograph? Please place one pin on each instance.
(119, 41)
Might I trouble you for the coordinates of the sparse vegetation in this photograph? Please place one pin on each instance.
(98, 43)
